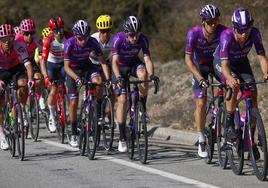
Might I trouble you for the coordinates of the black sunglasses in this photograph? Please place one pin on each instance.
(7, 39)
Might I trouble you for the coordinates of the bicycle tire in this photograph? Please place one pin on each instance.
(8, 124)
(130, 136)
(19, 131)
(92, 131)
(141, 133)
(209, 135)
(220, 137)
(235, 150)
(107, 124)
(34, 122)
(259, 165)
(82, 130)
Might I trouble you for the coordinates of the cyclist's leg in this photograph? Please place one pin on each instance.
(94, 75)
(73, 105)
(4, 76)
(121, 111)
(39, 85)
(139, 70)
(53, 70)
(200, 95)
(230, 105)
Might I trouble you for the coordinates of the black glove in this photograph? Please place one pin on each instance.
(203, 83)
(78, 82)
(154, 78)
(119, 80)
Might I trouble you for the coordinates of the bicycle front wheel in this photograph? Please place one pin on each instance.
(235, 150)
(258, 145)
(82, 130)
(220, 137)
(92, 131)
(141, 133)
(33, 114)
(19, 131)
(107, 124)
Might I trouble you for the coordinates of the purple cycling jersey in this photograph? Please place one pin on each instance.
(129, 52)
(198, 46)
(79, 56)
(230, 50)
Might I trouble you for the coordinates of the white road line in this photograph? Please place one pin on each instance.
(175, 177)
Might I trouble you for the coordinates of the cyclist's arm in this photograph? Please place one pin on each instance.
(105, 67)
(115, 65)
(69, 71)
(192, 67)
(29, 69)
(45, 53)
(149, 65)
(264, 64)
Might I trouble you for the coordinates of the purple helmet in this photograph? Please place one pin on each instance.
(209, 12)
(132, 24)
(242, 19)
(81, 28)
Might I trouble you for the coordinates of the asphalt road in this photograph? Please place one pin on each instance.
(51, 164)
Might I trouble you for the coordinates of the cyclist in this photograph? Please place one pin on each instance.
(104, 25)
(45, 32)
(125, 60)
(77, 64)
(233, 63)
(13, 55)
(52, 65)
(201, 44)
(31, 42)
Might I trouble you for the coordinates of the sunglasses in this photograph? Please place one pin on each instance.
(29, 33)
(212, 22)
(242, 31)
(60, 30)
(133, 34)
(105, 30)
(7, 39)
(82, 38)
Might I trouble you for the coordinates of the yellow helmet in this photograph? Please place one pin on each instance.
(45, 32)
(104, 22)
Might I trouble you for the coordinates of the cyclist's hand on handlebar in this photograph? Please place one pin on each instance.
(2, 85)
(154, 78)
(265, 76)
(119, 81)
(203, 83)
(47, 81)
(233, 82)
(78, 82)
(108, 83)
(30, 83)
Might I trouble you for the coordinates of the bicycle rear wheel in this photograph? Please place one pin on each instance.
(82, 121)
(92, 131)
(220, 137)
(258, 146)
(235, 150)
(19, 131)
(34, 122)
(141, 133)
(107, 124)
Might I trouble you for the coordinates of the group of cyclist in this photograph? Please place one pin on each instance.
(211, 48)
(215, 49)
(74, 58)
